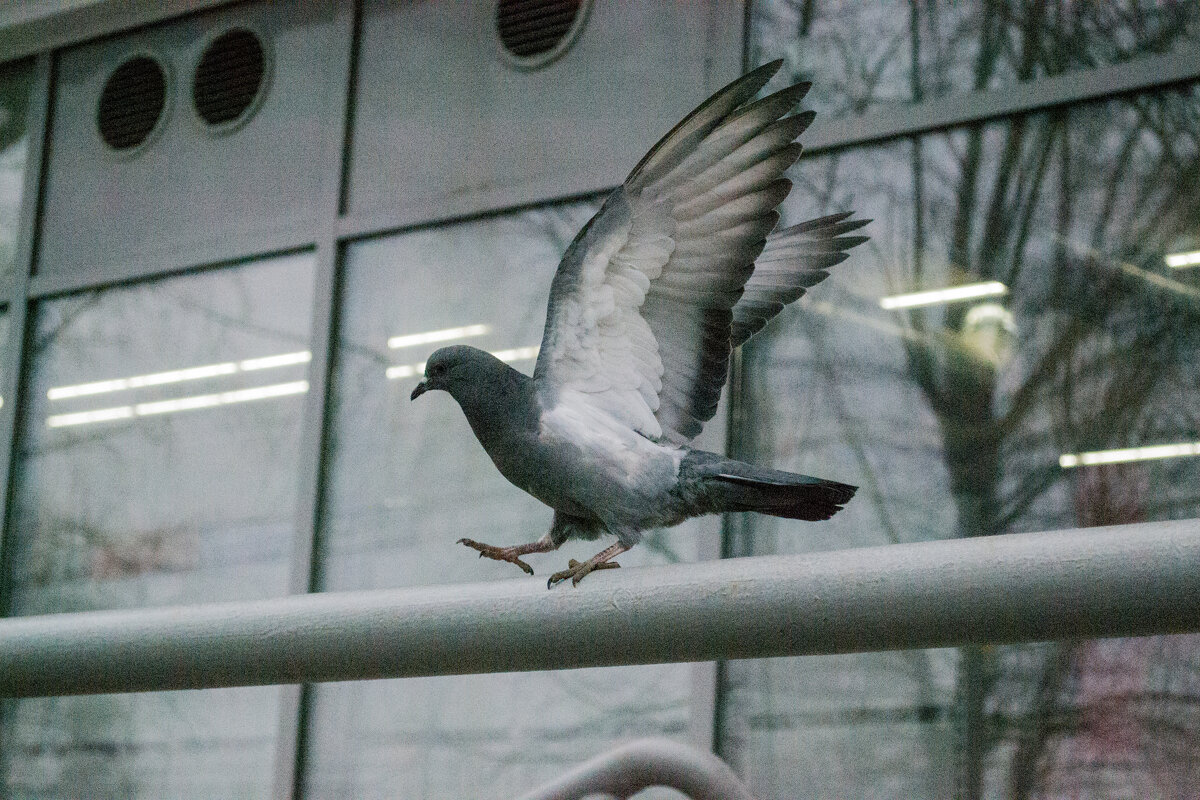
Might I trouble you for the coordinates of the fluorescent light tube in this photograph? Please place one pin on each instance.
(84, 389)
(264, 392)
(443, 335)
(1180, 260)
(269, 362)
(1069, 460)
(85, 417)
(507, 356)
(220, 399)
(177, 404)
(179, 375)
(516, 354)
(404, 371)
(947, 295)
(190, 403)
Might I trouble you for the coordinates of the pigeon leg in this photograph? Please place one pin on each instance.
(577, 570)
(512, 554)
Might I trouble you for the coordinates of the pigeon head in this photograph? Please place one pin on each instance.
(454, 369)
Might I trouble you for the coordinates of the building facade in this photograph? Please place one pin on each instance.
(230, 234)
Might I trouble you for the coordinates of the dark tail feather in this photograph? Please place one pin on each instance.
(742, 487)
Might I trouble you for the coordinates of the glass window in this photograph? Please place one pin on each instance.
(1055, 386)
(891, 52)
(151, 746)
(155, 467)
(16, 83)
(407, 480)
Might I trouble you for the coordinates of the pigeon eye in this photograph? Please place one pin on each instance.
(437, 370)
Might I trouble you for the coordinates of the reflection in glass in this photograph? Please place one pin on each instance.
(1183, 260)
(889, 52)
(407, 480)
(155, 467)
(1070, 400)
(16, 83)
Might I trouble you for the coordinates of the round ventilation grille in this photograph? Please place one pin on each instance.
(229, 79)
(535, 32)
(132, 103)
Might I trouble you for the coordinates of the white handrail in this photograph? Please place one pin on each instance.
(1120, 581)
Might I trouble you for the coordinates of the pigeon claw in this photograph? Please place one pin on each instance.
(508, 554)
(578, 570)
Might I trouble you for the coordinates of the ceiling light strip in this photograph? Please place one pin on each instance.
(1069, 460)
(507, 356)
(191, 403)
(516, 354)
(253, 364)
(404, 371)
(178, 375)
(270, 362)
(443, 335)
(947, 295)
(1181, 260)
(87, 417)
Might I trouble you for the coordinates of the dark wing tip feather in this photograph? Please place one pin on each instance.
(849, 227)
(846, 242)
(768, 69)
(729, 97)
(792, 260)
(808, 117)
(779, 103)
(822, 222)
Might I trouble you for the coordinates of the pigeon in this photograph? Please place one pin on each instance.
(680, 265)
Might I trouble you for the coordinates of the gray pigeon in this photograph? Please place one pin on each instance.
(678, 267)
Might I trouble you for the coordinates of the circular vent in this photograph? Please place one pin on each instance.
(230, 78)
(132, 103)
(535, 32)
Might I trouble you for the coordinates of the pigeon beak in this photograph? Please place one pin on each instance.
(421, 389)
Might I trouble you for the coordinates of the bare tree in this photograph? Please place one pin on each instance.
(1072, 210)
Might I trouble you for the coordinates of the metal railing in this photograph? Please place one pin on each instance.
(1120, 581)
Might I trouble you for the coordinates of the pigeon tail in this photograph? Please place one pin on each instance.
(743, 487)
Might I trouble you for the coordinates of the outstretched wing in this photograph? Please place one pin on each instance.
(641, 317)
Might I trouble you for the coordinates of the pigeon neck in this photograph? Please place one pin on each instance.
(497, 401)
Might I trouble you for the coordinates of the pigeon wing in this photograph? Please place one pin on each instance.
(642, 308)
(794, 260)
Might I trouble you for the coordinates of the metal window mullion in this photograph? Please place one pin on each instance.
(724, 44)
(295, 698)
(289, 236)
(17, 299)
(713, 679)
(293, 714)
(356, 225)
(964, 108)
